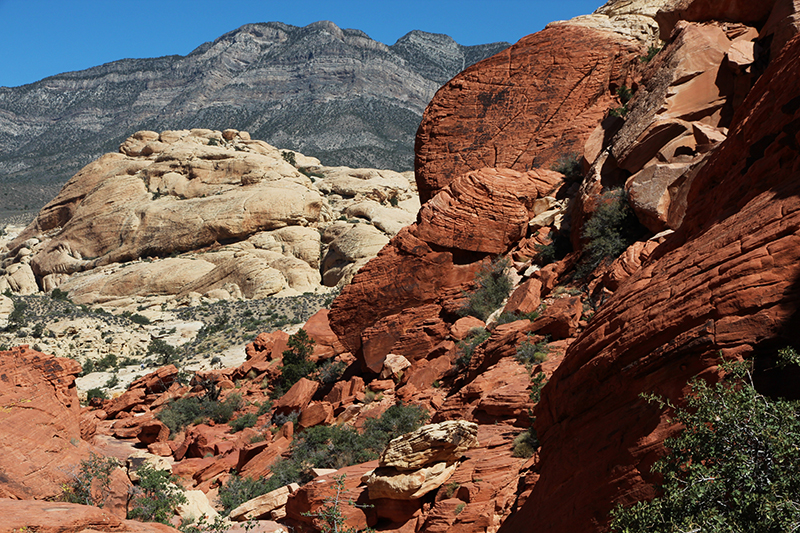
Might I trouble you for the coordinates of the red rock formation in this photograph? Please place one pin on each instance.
(58, 517)
(428, 265)
(751, 13)
(40, 432)
(727, 282)
(524, 107)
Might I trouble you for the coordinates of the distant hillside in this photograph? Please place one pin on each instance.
(332, 93)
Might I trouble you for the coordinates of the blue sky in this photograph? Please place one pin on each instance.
(40, 38)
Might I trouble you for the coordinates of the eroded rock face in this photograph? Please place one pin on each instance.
(59, 517)
(434, 443)
(247, 223)
(554, 86)
(430, 263)
(726, 281)
(39, 424)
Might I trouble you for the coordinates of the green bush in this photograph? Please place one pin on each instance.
(296, 362)
(58, 294)
(331, 371)
(194, 410)
(651, 53)
(735, 466)
(290, 158)
(245, 421)
(164, 352)
(525, 444)
(107, 361)
(609, 231)
(570, 165)
(139, 319)
(156, 497)
(493, 286)
(326, 447)
(95, 470)
(16, 319)
(466, 348)
(532, 353)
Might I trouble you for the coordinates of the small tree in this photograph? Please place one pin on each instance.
(157, 496)
(331, 513)
(296, 362)
(734, 467)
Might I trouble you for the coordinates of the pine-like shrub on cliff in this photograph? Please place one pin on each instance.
(493, 286)
(609, 231)
(735, 467)
(296, 362)
(466, 347)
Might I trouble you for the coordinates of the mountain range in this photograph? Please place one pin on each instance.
(332, 93)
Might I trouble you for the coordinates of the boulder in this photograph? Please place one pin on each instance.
(562, 76)
(262, 506)
(394, 484)
(40, 430)
(316, 414)
(433, 443)
(297, 397)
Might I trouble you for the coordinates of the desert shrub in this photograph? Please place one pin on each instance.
(525, 444)
(531, 353)
(735, 465)
(326, 447)
(16, 319)
(651, 53)
(97, 469)
(156, 497)
(139, 319)
(570, 165)
(87, 367)
(107, 361)
(466, 348)
(610, 230)
(296, 362)
(395, 421)
(558, 247)
(330, 514)
(493, 286)
(290, 158)
(245, 421)
(194, 410)
(331, 371)
(624, 94)
(264, 408)
(164, 352)
(58, 294)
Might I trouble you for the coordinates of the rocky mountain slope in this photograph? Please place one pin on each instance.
(329, 92)
(668, 244)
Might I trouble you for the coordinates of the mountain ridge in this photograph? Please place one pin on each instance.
(332, 92)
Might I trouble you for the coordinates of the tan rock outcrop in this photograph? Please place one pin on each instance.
(263, 506)
(434, 443)
(395, 484)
